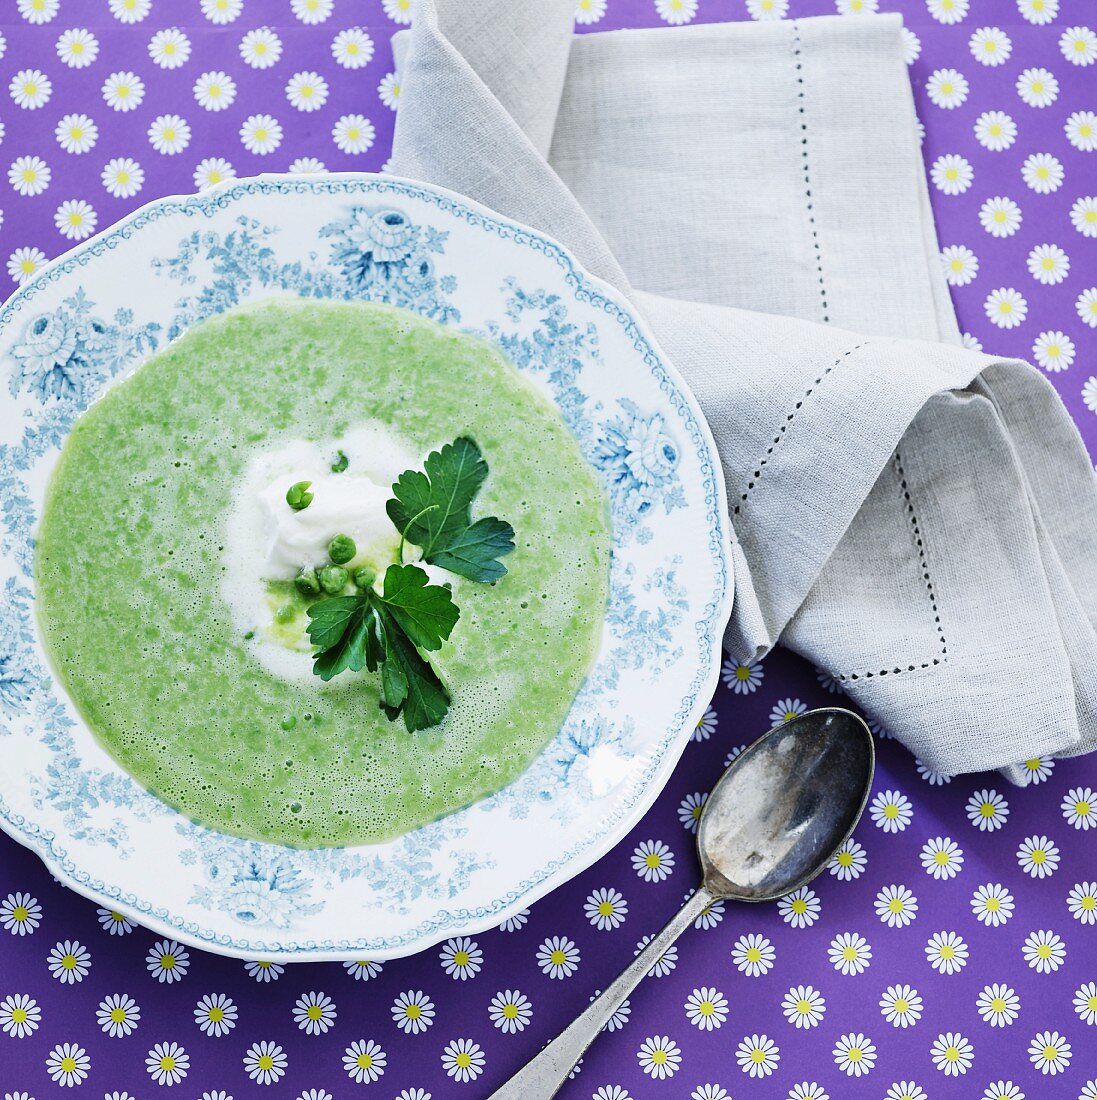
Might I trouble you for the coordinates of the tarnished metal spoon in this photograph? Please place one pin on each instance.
(774, 820)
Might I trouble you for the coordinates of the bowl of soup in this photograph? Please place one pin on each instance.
(365, 567)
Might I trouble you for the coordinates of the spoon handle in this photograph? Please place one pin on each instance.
(542, 1077)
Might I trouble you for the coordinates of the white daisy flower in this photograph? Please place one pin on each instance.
(314, 1013)
(1000, 216)
(992, 904)
(215, 1014)
(995, 130)
(801, 908)
(710, 916)
(1049, 1052)
(22, 264)
(947, 11)
(1038, 856)
(971, 343)
(265, 1062)
(998, 1005)
(215, 91)
(463, 1060)
(77, 48)
(911, 45)
(68, 1064)
(706, 724)
(786, 710)
(947, 952)
(558, 957)
(607, 1092)
(1048, 264)
(606, 909)
(855, 1054)
(1054, 351)
(931, 777)
(1085, 1003)
(353, 133)
(1005, 307)
(405, 1094)
(307, 91)
(758, 1055)
(987, 811)
(123, 91)
(461, 958)
(312, 12)
(364, 969)
(1086, 305)
(689, 810)
(261, 134)
(1043, 173)
(69, 962)
(857, 7)
(1038, 87)
(211, 171)
(896, 906)
(942, 858)
(706, 1008)
(990, 46)
(261, 48)
(951, 174)
(20, 913)
(589, 11)
(512, 924)
(352, 48)
(222, 11)
(664, 964)
(19, 1015)
(905, 1090)
(1037, 769)
(764, 10)
(891, 811)
(510, 1011)
(1079, 45)
(30, 89)
(1083, 215)
(701, 1092)
(952, 1054)
(114, 923)
(1081, 130)
(732, 755)
(38, 11)
(389, 90)
(1044, 951)
(652, 860)
(804, 1006)
(263, 970)
(167, 961)
(1002, 1090)
(901, 1005)
(753, 955)
(123, 177)
(118, 1015)
(659, 1057)
(169, 134)
(829, 683)
(1089, 393)
(1039, 12)
(413, 1012)
(743, 679)
(1079, 807)
(850, 953)
(849, 862)
(307, 166)
(961, 264)
(1082, 902)
(169, 48)
(947, 88)
(130, 11)
(167, 1063)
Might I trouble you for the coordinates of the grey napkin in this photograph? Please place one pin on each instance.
(918, 520)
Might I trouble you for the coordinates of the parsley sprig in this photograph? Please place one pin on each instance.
(390, 630)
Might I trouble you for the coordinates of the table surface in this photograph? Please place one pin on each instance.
(907, 973)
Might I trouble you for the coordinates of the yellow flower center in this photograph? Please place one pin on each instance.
(987, 808)
(1051, 1053)
(169, 49)
(659, 1056)
(1005, 307)
(1038, 855)
(169, 134)
(845, 859)
(992, 905)
(742, 673)
(891, 810)
(352, 49)
(1053, 351)
(20, 913)
(306, 91)
(77, 48)
(947, 952)
(707, 1008)
(413, 1012)
(854, 1054)
(68, 1065)
(952, 1054)
(1037, 86)
(261, 133)
(998, 1004)
(1091, 1004)
(947, 88)
(849, 953)
(1080, 45)
(122, 91)
(215, 1014)
(754, 955)
(1048, 263)
(803, 1006)
(990, 45)
(1089, 902)
(214, 176)
(757, 1056)
(354, 133)
(510, 1011)
(951, 174)
(799, 906)
(27, 267)
(653, 860)
(461, 958)
(167, 962)
(118, 1015)
(1091, 217)
(122, 176)
(19, 1015)
(995, 130)
(896, 905)
(260, 48)
(464, 1060)
(901, 1005)
(365, 1061)
(168, 1063)
(69, 962)
(267, 1062)
(1043, 951)
(315, 1012)
(558, 957)
(605, 909)
(1081, 808)
(940, 858)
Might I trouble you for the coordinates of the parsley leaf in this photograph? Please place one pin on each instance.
(432, 510)
(340, 629)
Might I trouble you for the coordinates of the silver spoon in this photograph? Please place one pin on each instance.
(773, 821)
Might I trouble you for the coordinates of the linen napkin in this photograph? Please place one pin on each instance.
(918, 520)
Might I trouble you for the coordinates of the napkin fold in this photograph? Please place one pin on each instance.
(918, 520)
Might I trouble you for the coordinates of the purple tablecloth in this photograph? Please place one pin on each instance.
(954, 948)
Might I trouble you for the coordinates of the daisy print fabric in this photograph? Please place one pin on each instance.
(947, 952)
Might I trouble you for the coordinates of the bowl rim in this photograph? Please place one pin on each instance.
(671, 746)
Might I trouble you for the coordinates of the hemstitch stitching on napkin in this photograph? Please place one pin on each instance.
(917, 532)
(797, 54)
(757, 475)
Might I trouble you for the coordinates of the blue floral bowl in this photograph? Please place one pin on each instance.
(90, 318)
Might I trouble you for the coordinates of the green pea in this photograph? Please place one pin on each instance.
(333, 579)
(364, 576)
(298, 496)
(341, 549)
(285, 614)
(340, 464)
(306, 581)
